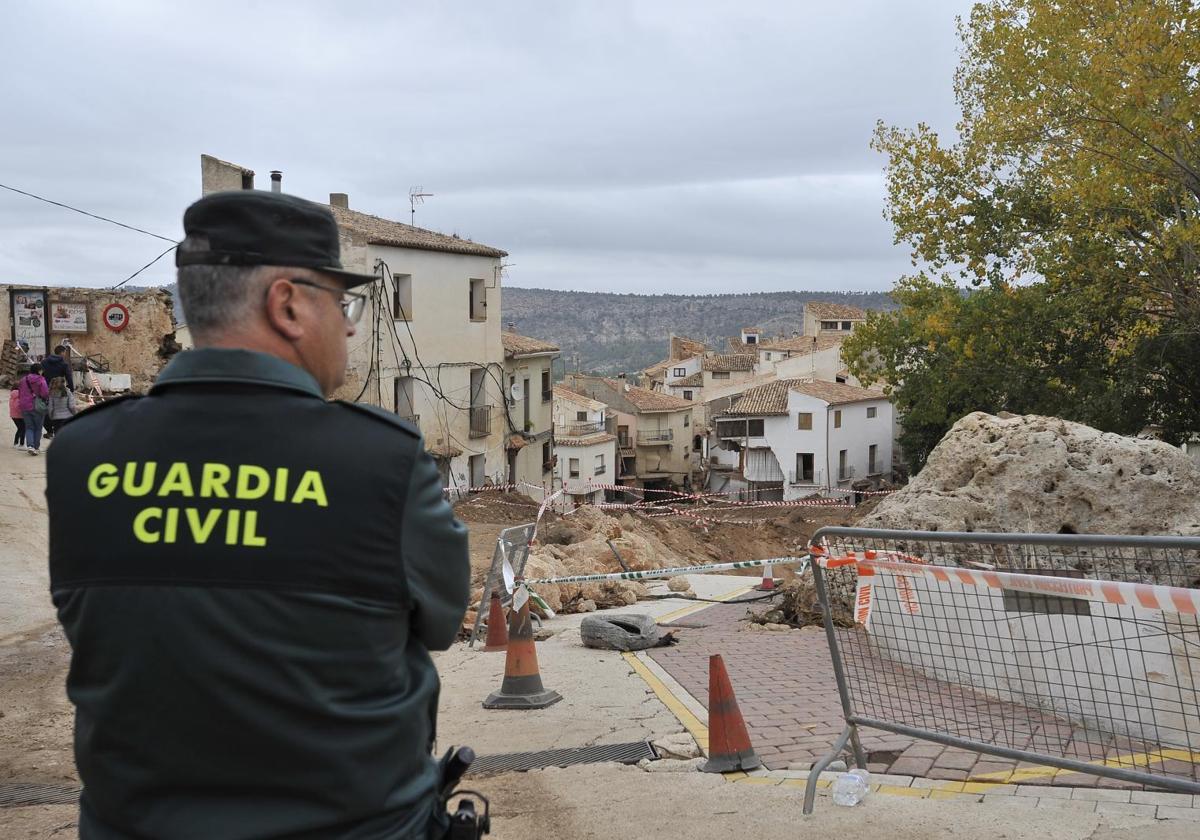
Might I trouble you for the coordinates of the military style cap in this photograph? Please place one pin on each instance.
(254, 227)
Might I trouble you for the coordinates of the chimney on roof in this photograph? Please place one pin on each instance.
(276, 181)
(339, 200)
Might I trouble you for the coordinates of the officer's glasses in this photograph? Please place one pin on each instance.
(352, 303)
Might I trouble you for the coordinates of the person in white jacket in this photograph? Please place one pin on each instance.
(62, 405)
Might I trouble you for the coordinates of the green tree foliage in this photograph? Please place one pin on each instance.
(1071, 200)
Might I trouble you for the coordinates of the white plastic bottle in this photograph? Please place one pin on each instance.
(851, 788)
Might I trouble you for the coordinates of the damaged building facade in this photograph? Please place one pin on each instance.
(126, 336)
(429, 345)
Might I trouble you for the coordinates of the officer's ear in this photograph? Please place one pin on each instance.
(287, 307)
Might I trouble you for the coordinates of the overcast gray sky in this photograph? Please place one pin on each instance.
(666, 147)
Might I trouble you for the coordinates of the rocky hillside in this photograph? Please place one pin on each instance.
(612, 333)
(619, 332)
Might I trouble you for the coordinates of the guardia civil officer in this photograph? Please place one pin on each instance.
(251, 577)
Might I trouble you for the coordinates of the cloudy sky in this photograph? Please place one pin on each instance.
(608, 145)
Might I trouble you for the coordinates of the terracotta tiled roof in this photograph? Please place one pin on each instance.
(587, 440)
(836, 393)
(834, 311)
(693, 381)
(685, 348)
(644, 400)
(657, 369)
(729, 361)
(765, 399)
(379, 231)
(565, 393)
(523, 345)
(803, 343)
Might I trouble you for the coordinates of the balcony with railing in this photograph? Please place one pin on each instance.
(415, 419)
(580, 429)
(810, 478)
(481, 420)
(654, 437)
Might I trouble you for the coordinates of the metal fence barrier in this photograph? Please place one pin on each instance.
(1076, 652)
(512, 549)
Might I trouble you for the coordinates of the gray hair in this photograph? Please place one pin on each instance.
(217, 297)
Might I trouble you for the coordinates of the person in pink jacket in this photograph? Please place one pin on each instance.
(14, 412)
(33, 399)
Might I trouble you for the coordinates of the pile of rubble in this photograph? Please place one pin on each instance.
(1045, 475)
(580, 544)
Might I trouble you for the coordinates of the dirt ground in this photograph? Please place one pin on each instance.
(719, 535)
(36, 719)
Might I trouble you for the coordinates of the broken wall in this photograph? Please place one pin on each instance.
(141, 349)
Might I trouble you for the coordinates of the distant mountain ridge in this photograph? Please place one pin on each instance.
(613, 333)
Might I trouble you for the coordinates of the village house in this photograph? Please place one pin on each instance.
(788, 439)
(655, 433)
(823, 319)
(585, 452)
(527, 370)
(429, 344)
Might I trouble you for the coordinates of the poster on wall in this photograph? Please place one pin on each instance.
(29, 325)
(68, 317)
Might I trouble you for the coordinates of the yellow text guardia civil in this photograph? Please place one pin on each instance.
(179, 479)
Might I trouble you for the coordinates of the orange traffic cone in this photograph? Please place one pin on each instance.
(497, 637)
(768, 581)
(522, 687)
(728, 742)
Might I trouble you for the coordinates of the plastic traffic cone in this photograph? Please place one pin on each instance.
(768, 581)
(497, 637)
(728, 742)
(522, 687)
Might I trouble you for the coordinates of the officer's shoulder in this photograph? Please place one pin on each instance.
(381, 415)
(92, 411)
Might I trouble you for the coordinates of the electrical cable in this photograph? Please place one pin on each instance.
(143, 268)
(86, 213)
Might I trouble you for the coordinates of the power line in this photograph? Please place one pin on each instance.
(143, 268)
(86, 213)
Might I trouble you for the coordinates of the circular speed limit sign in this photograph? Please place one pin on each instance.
(116, 317)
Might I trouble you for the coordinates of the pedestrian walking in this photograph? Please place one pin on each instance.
(62, 405)
(250, 639)
(33, 399)
(18, 417)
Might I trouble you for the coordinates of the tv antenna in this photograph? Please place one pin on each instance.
(416, 195)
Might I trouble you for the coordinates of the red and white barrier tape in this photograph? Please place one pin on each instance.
(1174, 599)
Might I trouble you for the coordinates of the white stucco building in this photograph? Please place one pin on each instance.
(428, 345)
(797, 438)
(528, 374)
(585, 452)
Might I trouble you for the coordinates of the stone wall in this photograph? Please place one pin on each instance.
(140, 350)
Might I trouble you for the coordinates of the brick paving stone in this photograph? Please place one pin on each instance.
(1154, 797)
(1126, 809)
(1014, 802)
(954, 759)
(912, 766)
(1100, 795)
(1044, 792)
(947, 774)
(786, 689)
(1167, 812)
(1081, 806)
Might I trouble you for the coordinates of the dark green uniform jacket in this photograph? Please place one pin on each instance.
(251, 579)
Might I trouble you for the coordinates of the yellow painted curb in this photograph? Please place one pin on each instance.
(896, 790)
(693, 724)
